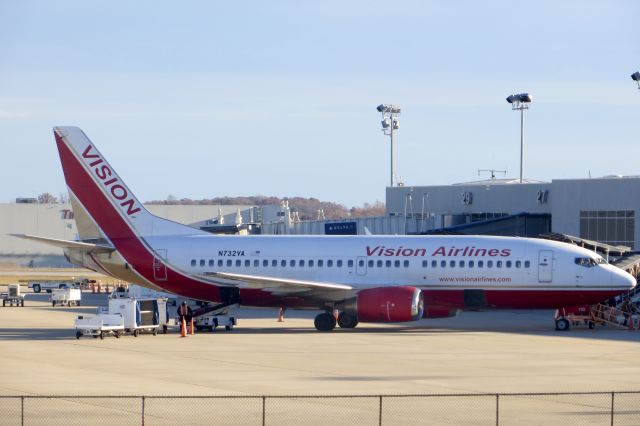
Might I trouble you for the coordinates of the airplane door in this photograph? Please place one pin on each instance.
(159, 266)
(545, 266)
(361, 265)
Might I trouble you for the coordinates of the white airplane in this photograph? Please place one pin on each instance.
(365, 278)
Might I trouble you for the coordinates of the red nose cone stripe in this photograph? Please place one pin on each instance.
(130, 246)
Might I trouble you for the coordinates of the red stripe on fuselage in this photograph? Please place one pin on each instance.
(120, 233)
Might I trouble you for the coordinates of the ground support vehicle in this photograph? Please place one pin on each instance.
(49, 286)
(590, 316)
(141, 315)
(99, 325)
(211, 322)
(13, 296)
(68, 296)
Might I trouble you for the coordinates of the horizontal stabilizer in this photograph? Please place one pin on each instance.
(93, 248)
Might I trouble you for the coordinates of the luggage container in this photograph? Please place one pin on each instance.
(141, 315)
(99, 325)
(68, 296)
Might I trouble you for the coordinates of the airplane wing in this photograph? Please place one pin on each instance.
(276, 285)
(93, 248)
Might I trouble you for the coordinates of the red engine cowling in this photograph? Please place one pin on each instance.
(387, 304)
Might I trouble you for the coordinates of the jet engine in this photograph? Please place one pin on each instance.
(386, 304)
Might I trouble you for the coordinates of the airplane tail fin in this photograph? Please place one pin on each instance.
(102, 197)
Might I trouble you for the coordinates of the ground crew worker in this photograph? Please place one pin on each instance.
(185, 313)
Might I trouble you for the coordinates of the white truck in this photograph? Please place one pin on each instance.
(48, 285)
(99, 325)
(68, 296)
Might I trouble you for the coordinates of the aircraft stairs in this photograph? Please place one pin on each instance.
(613, 316)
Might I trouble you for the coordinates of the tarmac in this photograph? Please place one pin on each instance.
(475, 352)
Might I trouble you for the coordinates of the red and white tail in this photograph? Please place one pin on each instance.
(97, 189)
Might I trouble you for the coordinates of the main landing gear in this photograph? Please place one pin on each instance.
(327, 322)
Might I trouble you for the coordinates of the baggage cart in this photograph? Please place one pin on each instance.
(99, 325)
(140, 315)
(13, 296)
(68, 296)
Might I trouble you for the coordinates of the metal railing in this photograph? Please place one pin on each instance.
(619, 408)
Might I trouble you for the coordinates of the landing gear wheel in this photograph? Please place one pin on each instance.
(36, 288)
(135, 333)
(562, 325)
(324, 322)
(102, 335)
(346, 320)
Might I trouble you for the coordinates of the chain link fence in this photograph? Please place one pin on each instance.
(583, 408)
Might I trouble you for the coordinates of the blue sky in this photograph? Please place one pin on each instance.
(204, 98)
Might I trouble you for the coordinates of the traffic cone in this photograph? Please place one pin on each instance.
(281, 315)
(183, 328)
(191, 329)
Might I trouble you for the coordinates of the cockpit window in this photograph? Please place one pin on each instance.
(588, 262)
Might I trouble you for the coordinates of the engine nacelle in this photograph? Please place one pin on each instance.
(387, 304)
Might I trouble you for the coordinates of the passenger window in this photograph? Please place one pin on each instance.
(406, 263)
(265, 263)
(462, 263)
(360, 263)
(350, 263)
(339, 263)
(302, 263)
(527, 264)
(471, 264)
(320, 263)
(329, 263)
(480, 263)
(379, 263)
(508, 264)
(238, 263)
(370, 263)
(396, 263)
(229, 262)
(247, 263)
(210, 262)
(518, 263)
(256, 263)
(443, 263)
(201, 262)
(220, 263)
(193, 262)
(489, 263)
(283, 263)
(425, 263)
(311, 264)
(274, 263)
(499, 264)
(434, 263)
(387, 264)
(452, 263)
(292, 263)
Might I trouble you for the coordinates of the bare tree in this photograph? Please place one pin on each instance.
(47, 198)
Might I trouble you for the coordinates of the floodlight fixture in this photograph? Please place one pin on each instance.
(390, 123)
(520, 102)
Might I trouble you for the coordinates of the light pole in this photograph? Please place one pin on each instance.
(520, 102)
(636, 77)
(390, 123)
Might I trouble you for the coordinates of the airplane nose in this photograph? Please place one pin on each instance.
(623, 278)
